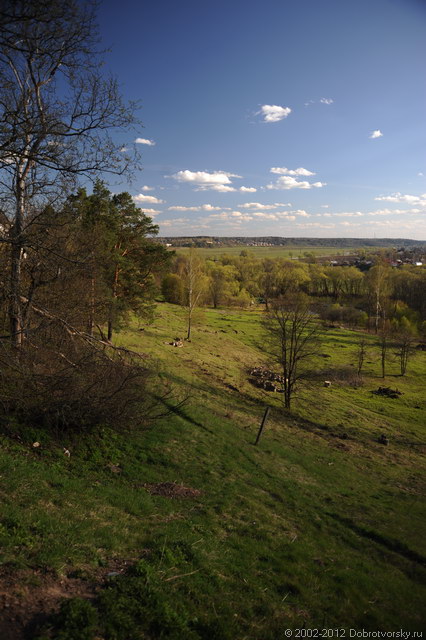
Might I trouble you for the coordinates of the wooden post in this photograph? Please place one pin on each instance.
(262, 424)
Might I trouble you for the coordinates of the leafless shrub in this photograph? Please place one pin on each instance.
(66, 385)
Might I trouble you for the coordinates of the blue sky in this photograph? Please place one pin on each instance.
(276, 118)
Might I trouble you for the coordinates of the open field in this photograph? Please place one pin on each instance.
(319, 526)
(274, 252)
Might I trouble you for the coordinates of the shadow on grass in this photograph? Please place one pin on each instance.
(391, 544)
(179, 411)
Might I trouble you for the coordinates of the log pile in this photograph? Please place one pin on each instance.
(266, 379)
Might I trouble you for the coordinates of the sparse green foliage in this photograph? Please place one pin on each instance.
(195, 285)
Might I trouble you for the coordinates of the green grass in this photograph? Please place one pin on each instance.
(317, 526)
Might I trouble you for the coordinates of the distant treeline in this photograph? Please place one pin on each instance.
(386, 293)
(343, 243)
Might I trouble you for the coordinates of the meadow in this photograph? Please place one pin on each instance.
(296, 252)
(185, 529)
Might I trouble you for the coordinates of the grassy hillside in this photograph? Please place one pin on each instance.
(187, 530)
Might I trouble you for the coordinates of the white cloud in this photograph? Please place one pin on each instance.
(288, 182)
(150, 143)
(265, 216)
(209, 207)
(292, 172)
(146, 188)
(387, 212)
(321, 100)
(203, 180)
(302, 213)
(124, 149)
(256, 205)
(141, 197)
(203, 207)
(273, 112)
(235, 216)
(376, 134)
(260, 206)
(325, 206)
(223, 188)
(179, 208)
(399, 197)
(171, 222)
(248, 189)
(151, 212)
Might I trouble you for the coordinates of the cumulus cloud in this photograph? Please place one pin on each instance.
(179, 208)
(146, 188)
(265, 216)
(209, 207)
(248, 189)
(376, 134)
(255, 205)
(202, 207)
(292, 172)
(223, 188)
(151, 212)
(387, 212)
(302, 213)
(141, 197)
(289, 182)
(273, 112)
(260, 206)
(234, 216)
(172, 221)
(150, 143)
(204, 180)
(399, 197)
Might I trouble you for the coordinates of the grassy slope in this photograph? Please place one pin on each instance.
(309, 528)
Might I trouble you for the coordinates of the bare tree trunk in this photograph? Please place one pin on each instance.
(383, 351)
(91, 323)
(114, 296)
(15, 308)
(188, 335)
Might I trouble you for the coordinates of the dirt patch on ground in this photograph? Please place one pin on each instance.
(28, 597)
(171, 490)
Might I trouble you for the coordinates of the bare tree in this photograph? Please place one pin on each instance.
(384, 339)
(379, 287)
(405, 341)
(57, 112)
(361, 354)
(195, 284)
(294, 340)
